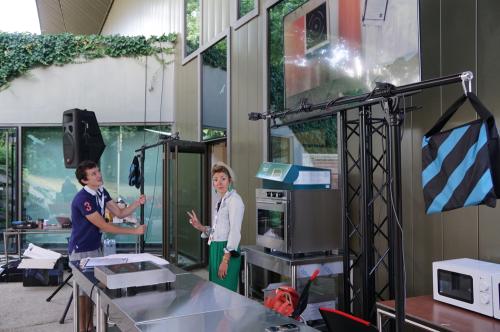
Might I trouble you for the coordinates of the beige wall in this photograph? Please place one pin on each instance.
(116, 89)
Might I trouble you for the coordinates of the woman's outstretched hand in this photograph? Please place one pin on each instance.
(193, 220)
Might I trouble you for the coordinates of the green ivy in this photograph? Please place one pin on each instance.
(21, 52)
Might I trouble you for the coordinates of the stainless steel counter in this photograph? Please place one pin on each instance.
(192, 304)
(299, 267)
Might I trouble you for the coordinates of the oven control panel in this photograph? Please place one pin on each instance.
(278, 194)
(272, 194)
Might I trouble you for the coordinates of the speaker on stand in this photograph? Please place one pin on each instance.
(82, 139)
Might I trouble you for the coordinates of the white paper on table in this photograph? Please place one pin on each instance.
(100, 261)
(144, 257)
(37, 252)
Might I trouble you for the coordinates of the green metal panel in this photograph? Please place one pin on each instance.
(186, 108)
(458, 54)
(488, 69)
(426, 230)
(246, 146)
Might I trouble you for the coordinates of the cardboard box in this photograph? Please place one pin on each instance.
(42, 276)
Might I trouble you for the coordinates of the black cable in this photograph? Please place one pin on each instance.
(158, 152)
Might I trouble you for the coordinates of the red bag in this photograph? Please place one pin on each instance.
(284, 300)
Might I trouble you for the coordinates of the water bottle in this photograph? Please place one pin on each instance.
(109, 247)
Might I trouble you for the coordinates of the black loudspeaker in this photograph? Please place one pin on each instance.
(82, 139)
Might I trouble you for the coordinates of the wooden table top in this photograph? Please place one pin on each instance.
(442, 316)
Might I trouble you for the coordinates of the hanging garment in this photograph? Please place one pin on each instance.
(460, 166)
(134, 177)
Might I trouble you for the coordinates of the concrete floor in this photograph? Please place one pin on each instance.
(24, 309)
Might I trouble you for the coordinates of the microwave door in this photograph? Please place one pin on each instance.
(455, 285)
(271, 224)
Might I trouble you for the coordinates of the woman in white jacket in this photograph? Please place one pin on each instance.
(225, 234)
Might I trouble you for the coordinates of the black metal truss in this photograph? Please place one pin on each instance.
(365, 176)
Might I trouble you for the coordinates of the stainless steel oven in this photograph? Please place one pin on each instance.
(299, 221)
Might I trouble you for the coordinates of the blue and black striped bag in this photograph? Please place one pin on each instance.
(460, 166)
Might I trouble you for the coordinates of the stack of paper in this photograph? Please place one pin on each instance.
(38, 258)
(34, 251)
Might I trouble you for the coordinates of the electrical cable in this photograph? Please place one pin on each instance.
(398, 222)
(148, 230)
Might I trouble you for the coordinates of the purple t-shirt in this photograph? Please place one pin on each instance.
(84, 235)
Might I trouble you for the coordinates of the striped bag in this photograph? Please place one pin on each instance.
(460, 166)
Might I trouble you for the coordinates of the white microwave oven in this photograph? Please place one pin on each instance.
(465, 283)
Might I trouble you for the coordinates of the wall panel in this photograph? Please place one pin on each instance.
(186, 94)
(459, 226)
(215, 19)
(427, 230)
(487, 73)
(246, 136)
(152, 17)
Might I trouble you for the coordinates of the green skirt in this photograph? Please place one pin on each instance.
(233, 269)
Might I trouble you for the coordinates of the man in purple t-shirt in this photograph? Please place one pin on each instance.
(88, 223)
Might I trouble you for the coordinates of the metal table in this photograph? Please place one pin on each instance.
(192, 304)
(19, 232)
(286, 266)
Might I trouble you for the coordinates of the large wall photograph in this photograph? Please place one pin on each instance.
(335, 48)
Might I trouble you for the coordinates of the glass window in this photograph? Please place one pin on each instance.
(192, 26)
(48, 187)
(245, 7)
(214, 91)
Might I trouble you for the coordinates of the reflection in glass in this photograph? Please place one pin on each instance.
(48, 187)
(192, 26)
(245, 7)
(271, 223)
(276, 51)
(329, 51)
(214, 91)
(322, 49)
(312, 143)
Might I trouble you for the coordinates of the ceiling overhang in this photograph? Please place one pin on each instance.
(80, 17)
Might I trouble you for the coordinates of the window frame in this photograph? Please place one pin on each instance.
(239, 22)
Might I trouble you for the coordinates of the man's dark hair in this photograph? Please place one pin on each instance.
(81, 170)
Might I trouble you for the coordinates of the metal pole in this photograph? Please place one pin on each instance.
(366, 210)
(346, 229)
(142, 160)
(371, 98)
(395, 216)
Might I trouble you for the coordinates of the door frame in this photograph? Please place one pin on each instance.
(170, 150)
(13, 201)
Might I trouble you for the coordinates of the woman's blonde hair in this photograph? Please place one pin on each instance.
(220, 167)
